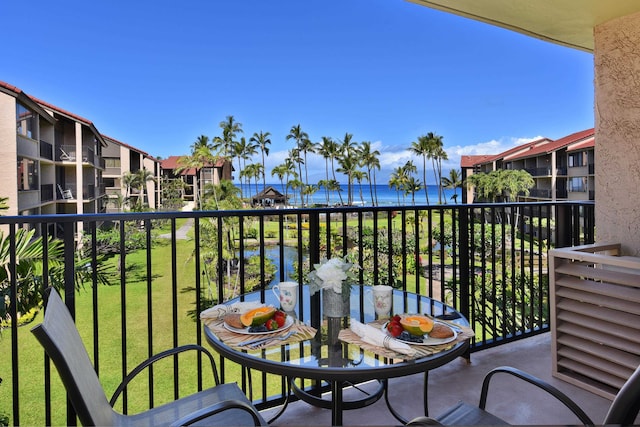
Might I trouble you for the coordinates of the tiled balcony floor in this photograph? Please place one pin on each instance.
(512, 400)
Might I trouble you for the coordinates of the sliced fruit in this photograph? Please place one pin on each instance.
(257, 316)
(417, 325)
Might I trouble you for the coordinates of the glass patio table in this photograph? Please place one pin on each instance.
(321, 353)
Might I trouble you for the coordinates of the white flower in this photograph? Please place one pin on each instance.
(332, 274)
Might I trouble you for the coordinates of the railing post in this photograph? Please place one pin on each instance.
(564, 229)
(69, 289)
(465, 265)
(314, 258)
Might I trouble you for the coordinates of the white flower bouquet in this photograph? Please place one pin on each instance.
(334, 274)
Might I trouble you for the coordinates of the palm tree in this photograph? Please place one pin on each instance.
(359, 176)
(129, 180)
(453, 183)
(262, 141)
(397, 180)
(324, 148)
(202, 156)
(303, 146)
(230, 128)
(411, 187)
(440, 155)
(436, 153)
(280, 171)
(348, 165)
(143, 176)
(422, 148)
(295, 159)
(201, 141)
(371, 161)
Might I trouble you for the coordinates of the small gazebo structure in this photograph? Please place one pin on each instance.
(269, 197)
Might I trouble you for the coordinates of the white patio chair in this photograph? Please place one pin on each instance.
(66, 194)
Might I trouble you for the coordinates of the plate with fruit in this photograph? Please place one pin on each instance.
(417, 329)
(259, 321)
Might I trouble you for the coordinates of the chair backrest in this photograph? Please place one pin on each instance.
(625, 407)
(66, 194)
(60, 338)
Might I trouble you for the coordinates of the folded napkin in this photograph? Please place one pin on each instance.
(220, 310)
(377, 337)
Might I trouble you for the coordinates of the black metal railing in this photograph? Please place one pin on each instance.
(489, 261)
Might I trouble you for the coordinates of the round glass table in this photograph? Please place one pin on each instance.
(324, 357)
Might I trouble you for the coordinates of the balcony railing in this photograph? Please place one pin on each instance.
(489, 261)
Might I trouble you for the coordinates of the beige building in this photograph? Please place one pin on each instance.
(53, 161)
(562, 169)
(121, 160)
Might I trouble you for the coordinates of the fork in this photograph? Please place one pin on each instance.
(270, 339)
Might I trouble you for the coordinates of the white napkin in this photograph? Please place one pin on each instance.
(377, 337)
(220, 310)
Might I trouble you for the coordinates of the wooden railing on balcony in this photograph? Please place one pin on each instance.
(489, 261)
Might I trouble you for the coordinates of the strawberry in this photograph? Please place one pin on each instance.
(271, 324)
(396, 330)
(280, 319)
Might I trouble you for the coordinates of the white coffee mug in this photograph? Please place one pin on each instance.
(287, 294)
(382, 300)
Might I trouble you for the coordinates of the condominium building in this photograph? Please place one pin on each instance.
(123, 161)
(59, 159)
(194, 180)
(563, 169)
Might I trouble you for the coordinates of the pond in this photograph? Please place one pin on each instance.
(273, 252)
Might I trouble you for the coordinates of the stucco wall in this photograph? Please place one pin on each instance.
(8, 152)
(617, 119)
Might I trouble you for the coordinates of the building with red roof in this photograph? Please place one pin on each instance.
(562, 169)
(62, 160)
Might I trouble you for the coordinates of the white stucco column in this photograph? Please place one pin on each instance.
(617, 120)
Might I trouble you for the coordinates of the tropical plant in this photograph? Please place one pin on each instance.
(453, 182)
(371, 161)
(201, 156)
(299, 154)
(262, 140)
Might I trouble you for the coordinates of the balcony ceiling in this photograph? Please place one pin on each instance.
(566, 22)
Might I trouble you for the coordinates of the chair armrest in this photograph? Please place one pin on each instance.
(171, 352)
(217, 408)
(563, 398)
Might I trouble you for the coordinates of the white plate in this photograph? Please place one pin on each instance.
(288, 322)
(427, 340)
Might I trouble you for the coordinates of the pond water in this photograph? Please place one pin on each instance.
(273, 252)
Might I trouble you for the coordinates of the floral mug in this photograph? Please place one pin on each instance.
(382, 299)
(287, 294)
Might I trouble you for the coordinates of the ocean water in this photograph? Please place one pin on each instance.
(386, 196)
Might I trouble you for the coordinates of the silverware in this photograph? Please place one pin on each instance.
(260, 340)
(268, 340)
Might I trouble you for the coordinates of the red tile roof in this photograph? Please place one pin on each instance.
(126, 145)
(470, 161)
(554, 145)
(575, 141)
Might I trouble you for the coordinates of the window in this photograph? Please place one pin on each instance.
(27, 174)
(26, 122)
(111, 162)
(578, 159)
(578, 184)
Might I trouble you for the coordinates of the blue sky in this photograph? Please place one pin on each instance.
(156, 75)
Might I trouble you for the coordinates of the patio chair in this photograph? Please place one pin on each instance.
(66, 156)
(223, 404)
(623, 410)
(66, 194)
